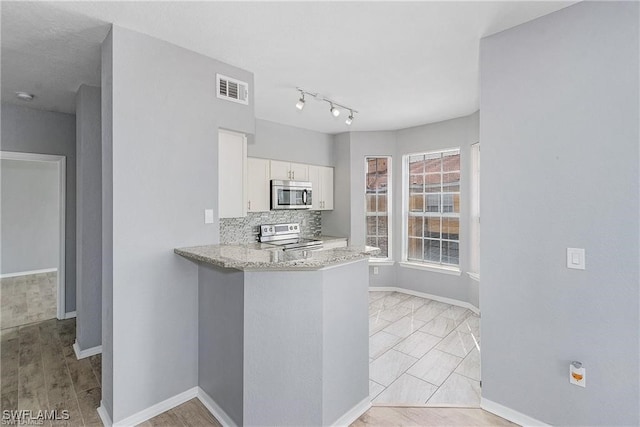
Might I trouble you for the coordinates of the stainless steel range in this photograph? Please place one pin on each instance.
(287, 237)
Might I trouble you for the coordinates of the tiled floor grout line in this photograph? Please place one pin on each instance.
(456, 322)
(448, 376)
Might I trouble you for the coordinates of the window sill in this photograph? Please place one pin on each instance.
(454, 271)
(382, 261)
(474, 276)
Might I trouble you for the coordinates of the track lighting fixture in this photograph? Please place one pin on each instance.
(300, 103)
(349, 119)
(334, 107)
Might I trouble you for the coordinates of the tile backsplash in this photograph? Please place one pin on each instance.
(245, 230)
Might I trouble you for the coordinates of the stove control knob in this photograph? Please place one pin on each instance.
(291, 227)
(270, 228)
(295, 226)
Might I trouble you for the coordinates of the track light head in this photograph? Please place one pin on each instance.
(334, 111)
(300, 103)
(349, 119)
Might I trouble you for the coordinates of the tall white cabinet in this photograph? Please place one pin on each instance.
(232, 167)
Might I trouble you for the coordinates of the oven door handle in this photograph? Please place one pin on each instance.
(304, 197)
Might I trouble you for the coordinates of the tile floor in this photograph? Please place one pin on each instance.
(422, 352)
(27, 299)
(39, 371)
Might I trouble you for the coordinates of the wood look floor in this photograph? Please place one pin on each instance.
(191, 413)
(39, 371)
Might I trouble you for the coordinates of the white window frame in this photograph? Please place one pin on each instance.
(474, 239)
(429, 266)
(389, 259)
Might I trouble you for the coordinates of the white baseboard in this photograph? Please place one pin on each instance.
(104, 416)
(27, 273)
(354, 413)
(70, 315)
(158, 408)
(81, 354)
(445, 300)
(217, 412)
(510, 414)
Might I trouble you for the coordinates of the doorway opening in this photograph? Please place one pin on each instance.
(32, 267)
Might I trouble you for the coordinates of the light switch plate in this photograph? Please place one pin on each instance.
(576, 258)
(208, 216)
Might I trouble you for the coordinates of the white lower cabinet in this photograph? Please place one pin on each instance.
(258, 185)
(321, 178)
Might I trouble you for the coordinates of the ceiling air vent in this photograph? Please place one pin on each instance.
(232, 89)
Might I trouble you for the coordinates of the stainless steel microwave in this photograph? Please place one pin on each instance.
(290, 194)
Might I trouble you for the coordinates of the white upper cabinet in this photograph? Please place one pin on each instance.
(232, 167)
(258, 185)
(289, 171)
(326, 188)
(299, 172)
(314, 177)
(280, 170)
(321, 178)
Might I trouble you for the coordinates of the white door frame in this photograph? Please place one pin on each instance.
(61, 162)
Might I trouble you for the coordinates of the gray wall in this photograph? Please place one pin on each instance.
(88, 217)
(33, 131)
(221, 338)
(107, 223)
(30, 215)
(345, 297)
(164, 152)
(348, 218)
(559, 131)
(282, 142)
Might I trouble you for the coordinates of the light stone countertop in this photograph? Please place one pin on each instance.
(259, 257)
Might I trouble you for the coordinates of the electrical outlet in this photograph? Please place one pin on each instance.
(577, 374)
(375, 270)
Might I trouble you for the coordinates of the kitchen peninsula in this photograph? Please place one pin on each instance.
(283, 334)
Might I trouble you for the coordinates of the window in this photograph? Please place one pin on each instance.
(475, 211)
(378, 204)
(432, 207)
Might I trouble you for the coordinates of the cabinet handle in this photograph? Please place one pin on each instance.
(293, 174)
(249, 205)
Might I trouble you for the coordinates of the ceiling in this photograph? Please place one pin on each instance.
(400, 64)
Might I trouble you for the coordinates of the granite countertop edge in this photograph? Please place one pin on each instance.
(212, 254)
